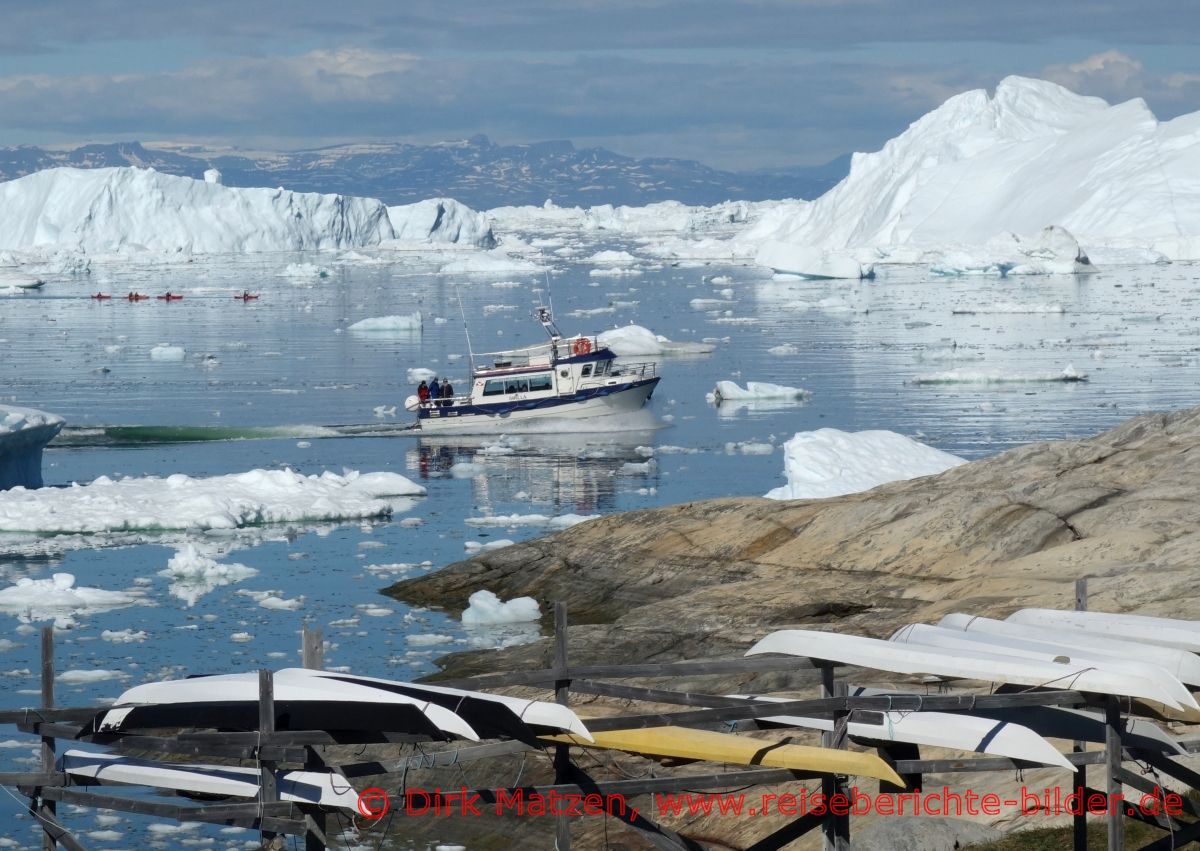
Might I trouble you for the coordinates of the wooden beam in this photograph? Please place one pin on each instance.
(47, 810)
(267, 791)
(1079, 820)
(1112, 768)
(787, 834)
(562, 695)
(55, 830)
(662, 837)
(312, 647)
(835, 829)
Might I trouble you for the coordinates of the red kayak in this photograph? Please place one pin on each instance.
(137, 297)
(169, 297)
(101, 296)
(246, 297)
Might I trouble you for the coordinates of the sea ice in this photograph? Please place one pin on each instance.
(44, 599)
(167, 352)
(755, 390)
(484, 607)
(829, 462)
(972, 376)
(24, 433)
(636, 341)
(405, 322)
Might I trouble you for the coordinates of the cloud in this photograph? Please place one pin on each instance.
(1113, 75)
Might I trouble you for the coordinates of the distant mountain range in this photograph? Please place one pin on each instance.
(475, 171)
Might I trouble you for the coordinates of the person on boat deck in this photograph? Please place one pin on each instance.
(447, 393)
(423, 392)
(435, 391)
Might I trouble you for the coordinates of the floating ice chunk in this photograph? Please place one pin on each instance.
(1012, 308)
(811, 262)
(303, 270)
(611, 257)
(755, 390)
(220, 502)
(615, 272)
(76, 676)
(497, 261)
(123, 636)
(969, 376)
(427, 639)
(24, 433)
(634, 340)
(167, 353)
(281, 603)
(478, 547)
(241, 637)
(783, 349)
(194, 574)
(562, 521)
(383, 324)
(418, 374)
(467, 470)
(829, 462)
(44, 599)
(484, 607)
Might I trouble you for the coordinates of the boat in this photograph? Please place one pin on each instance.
(935, 729)
(324, 788)
(574, 378)
(965, 664)
(169, 297)
(1144, 629)
(101, 296)
(302, 702)
(1004, 645)
(709, 746)
(246, 297)
(137, 297)
(1179, 663)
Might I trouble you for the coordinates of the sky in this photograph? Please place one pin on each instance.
(737, 84)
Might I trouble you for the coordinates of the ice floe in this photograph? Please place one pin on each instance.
(636, 341)
(829, 462)
(24, 433)
(484, 607)
(728, 390)
(59, 596)
(194, 574)
(1068, 375)
(376, 324)
(220, 502)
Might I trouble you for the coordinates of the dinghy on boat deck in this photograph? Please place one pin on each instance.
(1143, 629)
(937, 729)
(1182, 664)
(686, 743)
(987, 667)
(324, 788)
(302, 702)
(490, 715)
(952, 639)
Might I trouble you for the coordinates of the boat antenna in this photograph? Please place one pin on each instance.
(466, 330)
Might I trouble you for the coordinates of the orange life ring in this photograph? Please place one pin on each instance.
(582, 346)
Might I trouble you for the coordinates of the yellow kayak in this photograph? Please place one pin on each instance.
(685, 743)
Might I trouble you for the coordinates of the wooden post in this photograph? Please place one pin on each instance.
(836, 829)
(49, 807)
(1112, 771)
(562, 694)
(267, 792)
(1079, 820)
(312, 648)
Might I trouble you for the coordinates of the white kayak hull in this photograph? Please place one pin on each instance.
(1144, 629)
(952, 639)
(1181, 664)
(941, 730)
(324, 788)
(914, 660)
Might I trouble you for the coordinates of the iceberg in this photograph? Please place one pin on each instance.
(1030, 156)
(24, 433)
(131, 210)
(636, 341)
(441, 221)
(484, 607)
(809, 262)
(755, 390)
(386, 324)
(829, 462)
(59, 597)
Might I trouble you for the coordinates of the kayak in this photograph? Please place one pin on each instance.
(169, 297)
(246, 297)
(137, 297)
(101, 296)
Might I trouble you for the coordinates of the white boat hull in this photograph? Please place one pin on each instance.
(462, 420)
(1145, 629)
(908, 659)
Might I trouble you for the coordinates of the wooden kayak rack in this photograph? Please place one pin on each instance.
(269, 750)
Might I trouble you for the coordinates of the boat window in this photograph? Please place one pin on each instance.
(540, 381)
(516, 385)
(602, 367)
(495, 387)
(586, 371)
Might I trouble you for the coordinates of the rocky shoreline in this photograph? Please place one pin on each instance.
(707, 579)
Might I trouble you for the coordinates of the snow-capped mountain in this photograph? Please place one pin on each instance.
(476, 171)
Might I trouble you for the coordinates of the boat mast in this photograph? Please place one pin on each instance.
(466, 330)
(545, 315)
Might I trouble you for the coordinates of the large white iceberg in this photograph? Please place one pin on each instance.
(219, 502)
(122, 210)
(24, 433)
(1029, 156)
(636, 341)
(829, 462)
(441, 220)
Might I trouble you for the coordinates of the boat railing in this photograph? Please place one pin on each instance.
(643, 369)
(452, 402)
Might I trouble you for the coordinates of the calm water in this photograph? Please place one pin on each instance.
(287, 361)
